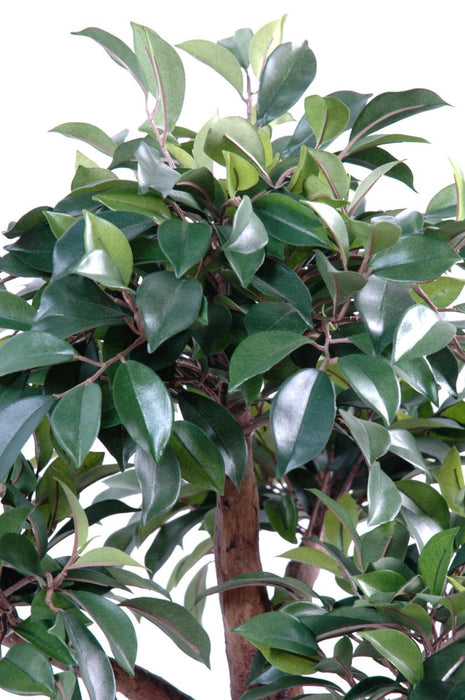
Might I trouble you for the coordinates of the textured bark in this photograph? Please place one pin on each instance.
(145, 685)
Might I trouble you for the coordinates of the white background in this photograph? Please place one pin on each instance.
(48, 77)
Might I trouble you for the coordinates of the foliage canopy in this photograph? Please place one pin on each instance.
(253, 348)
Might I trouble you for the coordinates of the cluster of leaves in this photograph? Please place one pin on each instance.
(235, 302)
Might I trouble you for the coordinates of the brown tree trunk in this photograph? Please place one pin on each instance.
(145, 685)
(237, 552)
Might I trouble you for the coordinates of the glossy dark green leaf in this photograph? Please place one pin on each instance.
(302, 417)
(248, 233)
(144, 406)
(36, 632)
(72, 304)
(263, 42)
(15, 312)
(33, 349)
(388, 540)
(201, 461)
(280, 631)
(288, 72)
(405, 445)
(160, 482)
(368, 686)
(424, 511)
(390, 107)
(374, 381)
(413, 258)
(98, 266)
(170, 536)
(434, 560)
(177, 623)
(282, 514)
(420, 332)
(18, 420)
(214, 336)
(164, 74)
(384, 499)
(167, 305)
(222, 428)
(183, 243)
(260, 352)
(26, 671)
(289, 221)
(399, 650)
(115, 625)
(419, 374)
(89, 134)
(277, 280)
(429, 689)
(118, 51)
(274, 316)
(19, 552)
(94, 666)
(372, 438)
(152, 172)
(76, 421)
(217, 57)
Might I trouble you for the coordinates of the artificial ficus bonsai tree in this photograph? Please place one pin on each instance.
(253, 349)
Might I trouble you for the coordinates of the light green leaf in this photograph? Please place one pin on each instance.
(248, 232)
(160, 482)
(289, 221)
(263, 42)
(451, 481)
(327, 116)
(399, 650)
(459, 180)
(374, 381)
(384, 499)
(99, 267)
(336, 226)
(302, 418)
(164, 74)
(15, 312)
(183, 243)
(434, 560)
(104, 556)
(88, 133)
(344, 517)
(367, 183)
(259, 352)
(236, 135)
(128, 199)
(33, 349)
(167, 305)
(25, 671)
(420, 332)
(144, 406)
(279, 630)
(217, 57)
(76, 421)
(103, 235)
(153, 173)
(81, 524)
(372, 438)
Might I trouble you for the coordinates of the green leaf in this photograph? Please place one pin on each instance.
(399, 650)
(115, 625)
(201, 462)
(73, 304)
(274, 316)
(33, 349)
(167, 305)
(144, 406)
(372, 439)
(76, 421)
(164, 74)
(278, 280)
(424, 511)
(15, 312)
(153, 173)
(420, 332)
(104, 556)
(368, 686)
(222, 429)
(238, 45)
(103, 235)
(327, 117)
(217, 57)
(99, 267)
(451, 481)
(343, 515)
(128, 199)
(81, 524)
(434, 560)
(336, 533)
(405, 446)
(118, 51)
(235, 135)
(459, 181)
(248, 232)
(94, 665)
(390, 107)
(384, 499)
(374, 381)
(367, 183)
(36, 632)
(414, 258)
(263, 42)
(170, 536)
(160, 482)
(19, 552)
(419, 374)
(279, 630)
(88, 133)
(302, 417)
(288, 72)
(259, 352)
(388, 540)
(183, 243)
(289, 221)
(315, 557)
(282, 514)
(380, 303)
(177, 623)
(18, 420)
(26, 671)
